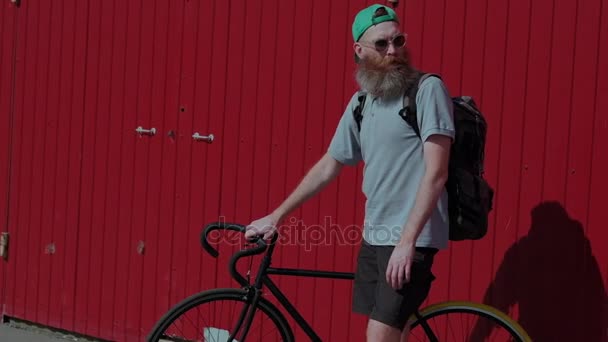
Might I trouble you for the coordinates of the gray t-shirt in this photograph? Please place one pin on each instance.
(394, 161)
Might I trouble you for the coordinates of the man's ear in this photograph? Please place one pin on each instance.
(358, 49)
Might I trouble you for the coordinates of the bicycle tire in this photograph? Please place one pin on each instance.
(217, 295)
(476, 309)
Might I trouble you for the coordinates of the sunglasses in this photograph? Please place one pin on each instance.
(381, 45)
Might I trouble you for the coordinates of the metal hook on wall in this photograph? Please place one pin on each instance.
(16, 2)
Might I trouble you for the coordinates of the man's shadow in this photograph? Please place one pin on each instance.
(554, 279)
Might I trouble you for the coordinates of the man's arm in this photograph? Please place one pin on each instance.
(317, 178)
(436, 161)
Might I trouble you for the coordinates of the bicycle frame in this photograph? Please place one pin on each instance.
(262, 279)
(293, 312)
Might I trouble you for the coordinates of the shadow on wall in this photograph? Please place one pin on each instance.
(554, 279)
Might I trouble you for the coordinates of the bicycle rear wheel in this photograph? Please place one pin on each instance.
(465, 321)
(213, 315)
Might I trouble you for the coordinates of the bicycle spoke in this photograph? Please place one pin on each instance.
(201, 322)
(464, 326)
(259, 330)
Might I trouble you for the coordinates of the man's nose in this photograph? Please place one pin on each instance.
(390, 50)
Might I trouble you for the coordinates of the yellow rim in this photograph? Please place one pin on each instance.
(479, 307)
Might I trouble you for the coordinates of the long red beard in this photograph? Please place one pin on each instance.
(386, 77)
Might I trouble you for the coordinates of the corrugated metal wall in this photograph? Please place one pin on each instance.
(104, 222)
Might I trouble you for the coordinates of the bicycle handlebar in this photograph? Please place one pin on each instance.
(243, 253)
(234, 227)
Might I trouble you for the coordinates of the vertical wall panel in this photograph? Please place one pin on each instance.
(49, 261)
(560, 99)
(237, 90)
(431, 48)
(512, 119)
(285, 50)
(514, 95)
(101, 160)
(243, 96)
(39, 249)
(490, 102)
(167, 106)
(555, 172)
(89, 196)
(57, 203)
(181, 263)
(216, 194)
(146, 190)
(113, 264)
(530, 172)
(583, 104)
(165, 28)
(595, 264)
(76, 54)
(413, 23)
(206, 167)
(240, 98)
(25, 271)
(7, 14)
(45, 161)
(127, 240)
(579, 171)
(453, 43)
(13, 208)
(187, 278)
(535, 114)
(204, 170)
(8, 19)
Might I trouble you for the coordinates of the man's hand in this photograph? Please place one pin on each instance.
(400, 265)
(266, 226)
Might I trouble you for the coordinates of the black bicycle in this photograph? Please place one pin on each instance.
(231, 314)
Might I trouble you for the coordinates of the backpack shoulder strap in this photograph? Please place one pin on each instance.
(409, 111)
(358, 112)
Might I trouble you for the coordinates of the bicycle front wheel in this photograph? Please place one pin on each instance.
(465, 321)
(215, 315)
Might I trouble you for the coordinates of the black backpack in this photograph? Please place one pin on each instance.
(469, 194)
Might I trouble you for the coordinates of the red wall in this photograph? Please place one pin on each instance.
(104, 223)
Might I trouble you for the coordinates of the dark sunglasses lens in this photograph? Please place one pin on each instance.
(381, 44)
(399, 41)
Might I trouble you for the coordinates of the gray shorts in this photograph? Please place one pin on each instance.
(374, 297)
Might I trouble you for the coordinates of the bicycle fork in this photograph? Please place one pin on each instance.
(248, 312)
(246, 316)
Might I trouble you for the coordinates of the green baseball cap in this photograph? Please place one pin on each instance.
(367, 18)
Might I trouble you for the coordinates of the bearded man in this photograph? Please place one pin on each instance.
(406, 214)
